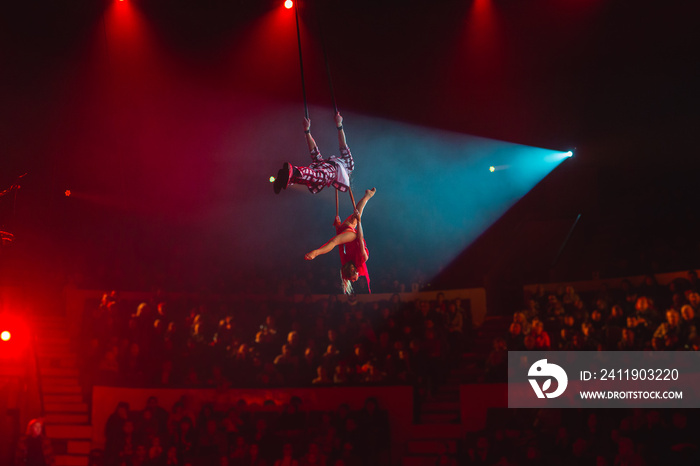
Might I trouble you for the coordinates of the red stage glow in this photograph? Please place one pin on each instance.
(5, 336)
(67, 192)
(288, 4)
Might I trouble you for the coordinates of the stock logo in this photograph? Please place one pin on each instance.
(542, 368)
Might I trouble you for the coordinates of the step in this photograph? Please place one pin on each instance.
(446, 394)
(43, 346)
(59, 372)
(71, 460)
(441, 406)
(44, 352)
(51, 330)
(445, 431)
(465, 377)
(465, 368)
(45, 324)
(65, 407)
(472, 357)
(419, 460)
(55, 353)
(439, 418)
(432, 446)
(50, 399)
(62, 389)
(50, 380)
(79, 447)
(66, 362)
(47, 317)
(53, 340)
(69, 431)
(53, 418)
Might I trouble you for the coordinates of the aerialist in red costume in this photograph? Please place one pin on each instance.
(351, 244)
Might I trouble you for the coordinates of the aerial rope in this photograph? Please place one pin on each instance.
(301, 60)
(330, 87)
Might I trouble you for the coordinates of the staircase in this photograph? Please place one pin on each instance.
(439, 428)
(67, 414)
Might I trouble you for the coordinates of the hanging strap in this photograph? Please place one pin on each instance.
(330, 86)
(301, 61)
(335, 104)
(352, 199)
(328, 67)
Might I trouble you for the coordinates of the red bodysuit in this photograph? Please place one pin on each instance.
(351, 252)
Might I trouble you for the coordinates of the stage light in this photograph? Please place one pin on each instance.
(492, 169)
(67, 192)
(569, 154)
(288, 4)
(5, 336)
(272, 179)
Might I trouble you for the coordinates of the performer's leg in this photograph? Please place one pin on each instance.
(368, 195)
(342, 238)
(351, 221)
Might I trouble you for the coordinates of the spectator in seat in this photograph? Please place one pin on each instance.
(626, 455)
(519, 318)
(668, 336)
(287, 458)
(689, 322)
(628, 341)
(34, 448)
(114, 429)
(313, 456)
(515, 340)
(542, 340)
(253, 458)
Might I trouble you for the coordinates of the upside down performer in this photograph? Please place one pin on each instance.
(334, 171)
(351, 244)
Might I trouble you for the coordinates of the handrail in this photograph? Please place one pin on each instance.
(39, 381)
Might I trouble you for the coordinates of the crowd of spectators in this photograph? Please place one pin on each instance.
(604, 437)
(649, 316)
(245, 435)
(627, 318)
(268, 343)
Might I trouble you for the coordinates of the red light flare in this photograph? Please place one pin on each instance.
(477, 61)
(483, 35)
(265, 56)
(14, 337)
(129, 38)
(288, 4)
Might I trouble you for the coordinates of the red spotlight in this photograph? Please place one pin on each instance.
(288, 4)
(67, 192)
(5, 336)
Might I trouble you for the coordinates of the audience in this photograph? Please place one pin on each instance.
(257, 436)
(648, 317)
(633, 437)
(274, 343)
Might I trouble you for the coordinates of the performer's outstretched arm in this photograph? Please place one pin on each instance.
(313, 148)
(341, 132)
